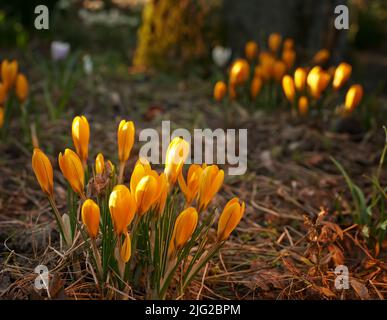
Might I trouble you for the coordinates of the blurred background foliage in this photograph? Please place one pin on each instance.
(178, 35)
(186, 30)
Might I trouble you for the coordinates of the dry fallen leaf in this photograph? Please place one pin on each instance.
(360, 289)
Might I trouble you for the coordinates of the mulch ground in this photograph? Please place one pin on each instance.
(297, 227)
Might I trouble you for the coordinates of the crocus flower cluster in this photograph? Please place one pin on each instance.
(261, 67)
(308, 86)
(12, 84)
(263, 71)
(151, 221)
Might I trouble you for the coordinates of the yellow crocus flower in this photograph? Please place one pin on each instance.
(229, 219)
(210, 182)
(80, 131)
(72, 169)
(43, 171)
(90, 217)
(122, 207)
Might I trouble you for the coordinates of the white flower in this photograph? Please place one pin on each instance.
(59, 50)
(221, 55)
(87, 64)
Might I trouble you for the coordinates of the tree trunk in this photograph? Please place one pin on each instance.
(309, 22)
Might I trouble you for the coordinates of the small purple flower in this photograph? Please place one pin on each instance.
(59, 50)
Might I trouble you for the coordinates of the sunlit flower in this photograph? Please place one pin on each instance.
(211, 181)
(90, 217)
(229, 219)
(125, 137)
(72, 169)
(300, 79)
(240, 72)
(147, 192)
(175, 158)
(99, 164)
(80, 131)
(122, 206)
(185, 226)
(353, 97)
(22, 87)
(251, 50)
(288, 87)
(342, 74)
(43, 171)
(220, 91)
(317, 81)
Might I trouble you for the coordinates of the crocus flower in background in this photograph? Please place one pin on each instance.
(59, 50)
(87, 64)
(221, 55)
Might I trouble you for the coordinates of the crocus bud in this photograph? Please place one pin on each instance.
(163, 194)
(303, 105)
(122, 206)
(289, 57)
(221, 55)
(353, 97)
(190, 188)
(251, 50)
(21, 87)
(210, 182)
(176, 156)
(300, 79)
(99, 164)
(146, 194)
(126, 249)
(220, 91)
(229, 219)
(240, 72)
(185, 226)
(141, 169)
(125, 136)
(279, 70)
(3, 93)
(288, 44)
(321, 56)
(72, 169)
(90, 217)
(317, 81)
(255, 87)
(288, 87)
(43, 171)
(274, 42)
(80, 131)
(9, 73)
(267, 65)
(1, 117)
(342, 74)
